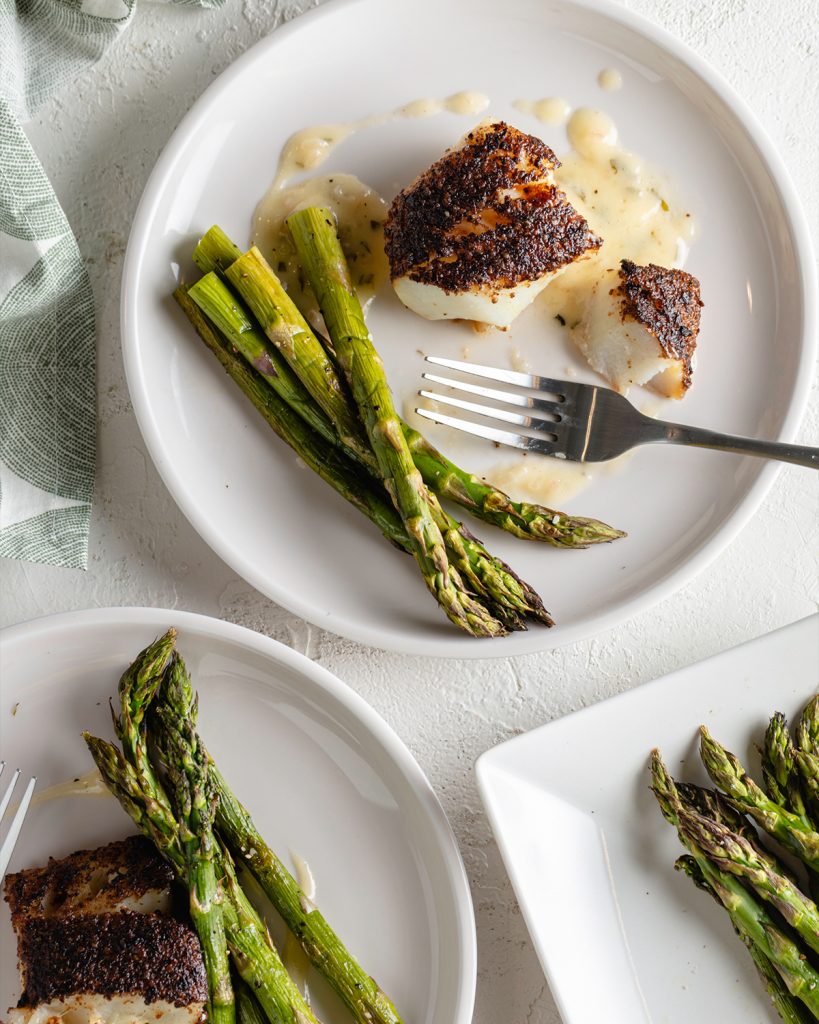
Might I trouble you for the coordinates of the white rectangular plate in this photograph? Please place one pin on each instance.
(622, 937)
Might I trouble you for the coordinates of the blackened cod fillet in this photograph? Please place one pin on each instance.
(121, 968)
(96, 942)
(481, 232)
(641, 327)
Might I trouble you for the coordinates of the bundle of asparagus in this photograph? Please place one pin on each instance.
(165, 780)
(766, 901)
(330, 401)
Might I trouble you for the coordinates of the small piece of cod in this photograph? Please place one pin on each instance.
(641, 326)
(96, 943)
(481, 233)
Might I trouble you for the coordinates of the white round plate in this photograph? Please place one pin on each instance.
(322, 774)
(282, 529)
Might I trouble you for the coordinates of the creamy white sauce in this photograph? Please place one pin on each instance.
(422, 108)
(360, 212)
(550, 481)
(310, 147)
(588, 130)
(90, 784)
(551, 110)
(610, 79)
(462, 103)
(466, 102)
(304, 876)
(518, 361)
(541, 480)
(627, 201)
(293, 956)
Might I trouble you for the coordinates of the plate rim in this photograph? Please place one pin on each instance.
(451, 645)
(377, 728)
(485, 764)
(635, 692)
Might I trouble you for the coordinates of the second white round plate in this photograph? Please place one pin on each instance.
(324, 777)
(286, 532)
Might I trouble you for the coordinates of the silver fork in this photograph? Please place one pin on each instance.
(7, 846)
(579, 422)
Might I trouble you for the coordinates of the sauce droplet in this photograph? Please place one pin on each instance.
(610, 79)
(467, 102)
(551, 110)
(590, 131)
(421, 108)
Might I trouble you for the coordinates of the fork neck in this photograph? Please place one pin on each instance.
(698, 437)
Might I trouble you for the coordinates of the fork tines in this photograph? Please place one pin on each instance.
(532, 381)
(10, 839)
(542, 416)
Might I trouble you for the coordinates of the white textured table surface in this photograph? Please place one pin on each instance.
(98, 141)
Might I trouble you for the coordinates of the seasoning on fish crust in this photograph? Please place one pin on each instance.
(641, 326)
(150, 955)
(128, 874)
(481, 232)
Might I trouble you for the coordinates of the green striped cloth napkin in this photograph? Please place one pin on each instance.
(47, 379)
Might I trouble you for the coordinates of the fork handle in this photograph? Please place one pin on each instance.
(676, 433)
